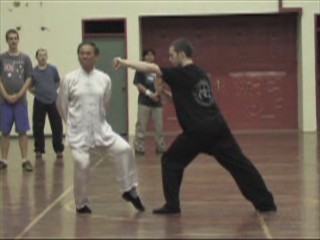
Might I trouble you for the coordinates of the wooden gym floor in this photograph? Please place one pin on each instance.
(40, 204)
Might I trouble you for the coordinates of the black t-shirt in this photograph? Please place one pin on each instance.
(193, 99)
(147, 80)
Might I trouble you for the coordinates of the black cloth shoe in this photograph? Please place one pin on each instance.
(85, 209)
(166, 210)
(136, 202)
(269, 209)
(3, 165)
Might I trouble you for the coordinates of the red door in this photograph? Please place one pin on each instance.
(251, 61)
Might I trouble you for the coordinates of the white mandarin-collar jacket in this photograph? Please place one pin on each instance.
(82, 102)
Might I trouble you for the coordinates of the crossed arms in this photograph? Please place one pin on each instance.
(144, 67)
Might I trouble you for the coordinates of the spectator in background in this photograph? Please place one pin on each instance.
(15, 72)
(149, 104)
(45, 82)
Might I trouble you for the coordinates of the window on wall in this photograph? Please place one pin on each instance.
(98, 27)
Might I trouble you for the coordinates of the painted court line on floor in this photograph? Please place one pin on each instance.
(264, 226)
(47, 209)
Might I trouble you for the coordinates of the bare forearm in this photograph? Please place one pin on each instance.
(142, 89)
(32, 90)
(139, 66)
(159, 85)
(25, 87)
(2, 90)
(142, 66)
(167, 94)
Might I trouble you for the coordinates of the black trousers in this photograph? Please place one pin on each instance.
(40, 110)
(220, 143)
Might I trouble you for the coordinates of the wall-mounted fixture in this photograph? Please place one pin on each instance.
(16, 4)
(44, 28)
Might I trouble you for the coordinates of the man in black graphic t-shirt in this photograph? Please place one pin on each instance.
(204, 131)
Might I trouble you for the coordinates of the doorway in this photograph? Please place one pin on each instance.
(110, 37)
(317, 40)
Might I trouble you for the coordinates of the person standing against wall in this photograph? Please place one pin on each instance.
(149, 104)
(16, 72)
(45, 82)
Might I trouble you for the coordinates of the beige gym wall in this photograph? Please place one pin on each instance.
(63, 20)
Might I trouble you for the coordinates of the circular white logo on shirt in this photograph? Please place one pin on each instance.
(151, 77)
(202, 94)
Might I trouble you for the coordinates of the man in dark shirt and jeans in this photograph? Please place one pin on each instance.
(204, 131)
(45, 81)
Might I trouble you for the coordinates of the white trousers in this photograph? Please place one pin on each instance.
(120, 154)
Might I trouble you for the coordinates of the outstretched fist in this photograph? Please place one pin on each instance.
(117, 63)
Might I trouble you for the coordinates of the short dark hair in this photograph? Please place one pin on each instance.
(39, 50)
(92, 44)
(146, 51)
(10, 31)
(183, 45)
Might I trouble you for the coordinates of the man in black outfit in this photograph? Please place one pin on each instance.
(204, 131)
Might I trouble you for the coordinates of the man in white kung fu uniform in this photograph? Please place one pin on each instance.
(82, 102)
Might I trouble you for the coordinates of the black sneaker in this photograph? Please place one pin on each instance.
(3, 165)
(267, 210)
(166, 210)
(27, 166)
(84, 210)
(136, 202)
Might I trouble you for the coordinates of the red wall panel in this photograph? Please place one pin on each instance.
(250, 59)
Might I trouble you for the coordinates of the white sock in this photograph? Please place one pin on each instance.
(133, 192)
(5, 161)
(24, 160)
